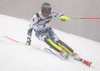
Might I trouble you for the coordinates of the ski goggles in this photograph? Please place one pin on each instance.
(46, 11)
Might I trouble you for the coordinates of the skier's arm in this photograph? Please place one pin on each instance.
(61, 16)
(29, 33)
(31, 27)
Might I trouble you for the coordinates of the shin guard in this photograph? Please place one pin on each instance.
(65, 47)
(53, 45)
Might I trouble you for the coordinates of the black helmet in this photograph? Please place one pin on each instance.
(46, 5)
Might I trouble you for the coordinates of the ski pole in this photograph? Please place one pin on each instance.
(67, 18)
(11, 39)
(15, 40)
(86, 18)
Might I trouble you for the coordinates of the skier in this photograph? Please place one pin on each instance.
(40, 22)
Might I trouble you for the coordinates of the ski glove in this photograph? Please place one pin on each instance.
(28, 42)
(64, 18)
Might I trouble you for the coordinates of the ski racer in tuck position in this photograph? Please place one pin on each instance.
(40, 22)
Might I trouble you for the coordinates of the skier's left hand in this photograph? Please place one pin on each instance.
(64, 18)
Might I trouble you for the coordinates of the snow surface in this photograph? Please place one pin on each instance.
(18, 57)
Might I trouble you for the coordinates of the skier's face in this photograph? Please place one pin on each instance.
(46, 12)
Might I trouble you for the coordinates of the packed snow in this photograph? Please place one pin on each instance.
(19, 57)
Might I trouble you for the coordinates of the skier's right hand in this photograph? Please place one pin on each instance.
(28, 42)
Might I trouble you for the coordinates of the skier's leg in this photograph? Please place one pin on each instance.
(69, 50)
(43, 37)
(57, 48)
(53, 45)
(40, 35)
(52, 40)
(49, 37)
(65, 47)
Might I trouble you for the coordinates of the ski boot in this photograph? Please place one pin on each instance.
(64, 54)
(76, 57)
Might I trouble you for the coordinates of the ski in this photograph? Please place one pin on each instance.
(88, 63)
(54, 53)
